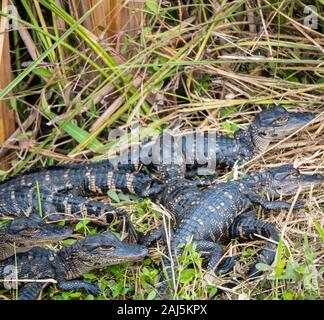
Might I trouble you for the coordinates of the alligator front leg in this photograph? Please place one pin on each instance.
(248, 229)
(69, 285)
(277, 205)
(152, 237)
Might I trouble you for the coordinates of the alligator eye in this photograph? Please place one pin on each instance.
(107, 248)
(31, 230)
(295, 174)
(280, 121)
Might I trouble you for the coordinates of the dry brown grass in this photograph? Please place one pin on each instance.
(190, 64)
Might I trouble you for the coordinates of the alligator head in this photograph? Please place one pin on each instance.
(275, 124)
(24, 233)
(287, 180)
(98, 251)
(284, 181)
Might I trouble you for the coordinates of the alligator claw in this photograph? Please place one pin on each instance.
(93, 288)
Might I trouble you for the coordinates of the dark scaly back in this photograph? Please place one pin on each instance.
(57, 206)
(99, 181)
(34, 264)
(177, 192)
(67, 174)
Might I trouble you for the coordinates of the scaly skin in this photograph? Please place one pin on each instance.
(219, 212)
(57, 206)
(23, 234)
(96, 178)
(62, 190)
(270, 125)
(67, 265)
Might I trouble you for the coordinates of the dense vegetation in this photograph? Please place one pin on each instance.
(207, 64)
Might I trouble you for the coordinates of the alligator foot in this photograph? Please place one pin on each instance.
(152, 237)
(31, 291)
(226, 265)
(248, 229)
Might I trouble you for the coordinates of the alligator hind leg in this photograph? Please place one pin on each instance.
(248, 229)
(31, 291)
(213, 251)
(68, 285)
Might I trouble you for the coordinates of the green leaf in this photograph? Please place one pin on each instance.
(153, 6)
(3, 173)
(280, 263)
(113, 195)
(151, 295)
(230, 126)
(212, 292)
(293, 79)
(68, 242)
(187, 275)
(90, 276)
(319, 229)
(81, 224)
(181, 245)
(147, 262)
(42, 72)
(288, 295)
(263, 267)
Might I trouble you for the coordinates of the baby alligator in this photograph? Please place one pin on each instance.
(68, 264)
(200, 148)
(22, 234)
(268, 126)
(220, 211)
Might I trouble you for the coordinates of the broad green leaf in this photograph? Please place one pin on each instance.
(319, 229)
(68, 242)
(187, 275)
(151, 295)
(81, 224)
(113, 195)
(153, 6)
(42, 72)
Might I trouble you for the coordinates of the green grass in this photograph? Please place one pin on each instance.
(194, 66)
